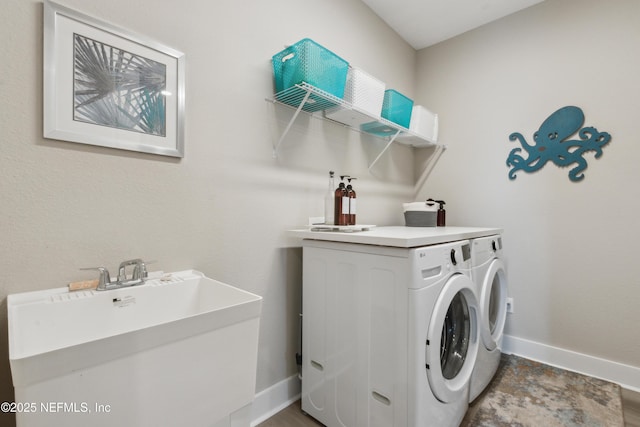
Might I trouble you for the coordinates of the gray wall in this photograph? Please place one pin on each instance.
(571, 247)
(224, 208)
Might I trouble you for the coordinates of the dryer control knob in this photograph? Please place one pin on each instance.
(453, 257)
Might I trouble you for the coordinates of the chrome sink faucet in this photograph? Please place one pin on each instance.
(138, 275)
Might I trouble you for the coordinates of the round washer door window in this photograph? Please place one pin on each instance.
(452, 341)
(493, 303)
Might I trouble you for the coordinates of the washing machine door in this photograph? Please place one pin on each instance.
(493, 304)
(452, 341)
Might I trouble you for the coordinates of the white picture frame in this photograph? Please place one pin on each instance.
(106, 86)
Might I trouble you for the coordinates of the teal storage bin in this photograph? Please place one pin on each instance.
(307, 61)
(397, 108)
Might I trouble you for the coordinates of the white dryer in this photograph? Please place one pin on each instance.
(489, 276)
(443, 340)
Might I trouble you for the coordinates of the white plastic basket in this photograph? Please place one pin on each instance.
(424, 123)
(365, 94)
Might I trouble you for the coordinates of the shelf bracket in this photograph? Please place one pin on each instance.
(384, 150)
(431, 163)
(293, 119)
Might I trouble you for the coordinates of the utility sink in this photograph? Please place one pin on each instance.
(180, 349)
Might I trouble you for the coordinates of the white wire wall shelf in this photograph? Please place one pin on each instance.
(310, 99)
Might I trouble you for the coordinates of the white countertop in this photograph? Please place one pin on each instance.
(398, 236)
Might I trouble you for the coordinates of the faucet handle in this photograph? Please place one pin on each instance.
(140, 271)
(105, 278)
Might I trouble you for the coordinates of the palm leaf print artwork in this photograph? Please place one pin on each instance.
(119, 89)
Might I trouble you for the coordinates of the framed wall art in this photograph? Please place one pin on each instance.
(107, 86)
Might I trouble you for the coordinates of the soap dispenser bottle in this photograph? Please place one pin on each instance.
(441, 218)
(351, 195)
(329, 200)
(341, 203)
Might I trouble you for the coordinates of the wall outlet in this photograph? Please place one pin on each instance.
(509, 305)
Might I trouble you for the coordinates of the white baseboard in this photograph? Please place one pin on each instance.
(272, 400)
(625, 375)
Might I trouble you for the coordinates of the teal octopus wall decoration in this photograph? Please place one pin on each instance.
(553, 143)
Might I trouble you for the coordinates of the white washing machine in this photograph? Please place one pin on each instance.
(390, 335)
(443, 340)
(490, 280)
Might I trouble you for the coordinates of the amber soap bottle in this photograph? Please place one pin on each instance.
(351, 195)
(341, 203)
(442, 214)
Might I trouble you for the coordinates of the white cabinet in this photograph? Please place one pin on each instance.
(354, 341)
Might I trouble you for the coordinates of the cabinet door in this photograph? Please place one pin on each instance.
(314, 335)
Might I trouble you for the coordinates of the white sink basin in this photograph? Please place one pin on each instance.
(181, 351)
